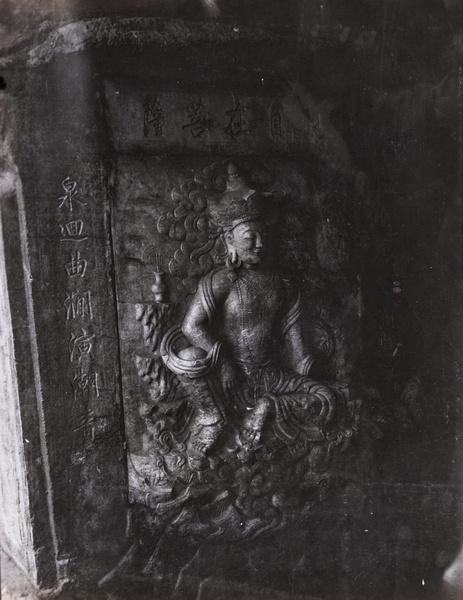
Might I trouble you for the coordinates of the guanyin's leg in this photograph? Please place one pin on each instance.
(253, 423)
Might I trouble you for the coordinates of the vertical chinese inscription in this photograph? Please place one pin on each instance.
(78, 303)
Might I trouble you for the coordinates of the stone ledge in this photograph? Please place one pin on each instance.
(157, 33)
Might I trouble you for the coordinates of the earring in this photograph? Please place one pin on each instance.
(233, 257)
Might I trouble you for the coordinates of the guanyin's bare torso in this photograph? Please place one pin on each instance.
(249, 317)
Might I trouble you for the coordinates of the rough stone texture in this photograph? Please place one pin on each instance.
(34, 549)
(76, 396)
(14, 582)
(16, 519)
(371, 134)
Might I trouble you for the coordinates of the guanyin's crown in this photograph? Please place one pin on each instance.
(237, 211)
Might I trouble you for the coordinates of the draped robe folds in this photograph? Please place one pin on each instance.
(251, 321)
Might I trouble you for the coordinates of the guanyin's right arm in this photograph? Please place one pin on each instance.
(196, 325)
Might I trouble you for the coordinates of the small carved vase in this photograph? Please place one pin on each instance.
(159, 287)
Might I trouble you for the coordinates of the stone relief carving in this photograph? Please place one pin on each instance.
(235, 425)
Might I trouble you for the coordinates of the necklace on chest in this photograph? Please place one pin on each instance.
(257, 296)
(258, 284)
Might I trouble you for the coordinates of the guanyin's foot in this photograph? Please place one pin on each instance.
(197, 455)
(198, 463)
(249, 435)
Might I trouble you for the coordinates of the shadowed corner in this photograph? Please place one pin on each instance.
(452, 588)
(212, 8)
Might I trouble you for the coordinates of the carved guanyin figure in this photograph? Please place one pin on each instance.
(241, 416)
(253, 314)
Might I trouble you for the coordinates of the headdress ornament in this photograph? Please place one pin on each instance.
(237, 212)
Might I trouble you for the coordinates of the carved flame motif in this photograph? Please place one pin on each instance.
(188, 223)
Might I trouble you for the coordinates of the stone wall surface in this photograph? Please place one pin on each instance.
(127, 132)
(16, 518)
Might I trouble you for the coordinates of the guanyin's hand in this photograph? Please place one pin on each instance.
(228, 375)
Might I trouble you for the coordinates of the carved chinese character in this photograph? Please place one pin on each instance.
(89, 418)
(237, 121)
(154, 116)
(72, 231)
(77, 266)
(81, 346)
(86, 420)
(85, 384)
(69, 198)
(198, 119)
(78, 305)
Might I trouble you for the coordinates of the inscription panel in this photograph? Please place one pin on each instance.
(230, 121)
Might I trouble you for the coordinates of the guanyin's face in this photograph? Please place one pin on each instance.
(246, 240)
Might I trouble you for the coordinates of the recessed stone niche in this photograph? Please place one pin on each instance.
(230, 300)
